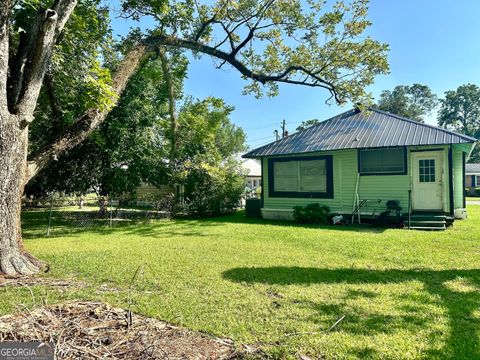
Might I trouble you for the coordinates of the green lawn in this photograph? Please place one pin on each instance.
(405, 294)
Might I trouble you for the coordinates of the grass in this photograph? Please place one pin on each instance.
(405, 294)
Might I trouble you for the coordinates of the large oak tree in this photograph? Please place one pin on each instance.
(307, 43)
(460, 111)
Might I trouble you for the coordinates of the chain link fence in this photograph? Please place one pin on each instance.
(86, 212)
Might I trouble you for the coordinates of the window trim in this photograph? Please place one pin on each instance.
(328, 194)
(405, 167)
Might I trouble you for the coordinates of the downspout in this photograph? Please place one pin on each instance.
(450, 178)
(464, 159)
(262, 194)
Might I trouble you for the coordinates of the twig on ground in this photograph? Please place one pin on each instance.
(318, 332)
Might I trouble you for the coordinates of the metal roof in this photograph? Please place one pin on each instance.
(355, 129)
(472, 168)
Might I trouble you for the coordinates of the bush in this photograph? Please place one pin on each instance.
(213, 191)
(477, 191)
(311, 214)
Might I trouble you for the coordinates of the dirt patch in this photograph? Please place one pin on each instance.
(27, 281)
(94, 330)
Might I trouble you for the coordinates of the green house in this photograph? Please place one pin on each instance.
(357, 161)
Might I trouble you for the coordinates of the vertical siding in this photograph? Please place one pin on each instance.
(375, 187)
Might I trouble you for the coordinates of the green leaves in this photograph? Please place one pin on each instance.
(292, 41)
(410, 101)
(460, 111)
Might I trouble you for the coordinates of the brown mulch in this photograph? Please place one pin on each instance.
(94, 330)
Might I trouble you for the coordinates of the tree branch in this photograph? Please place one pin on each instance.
(54, 104)
(5, 11)
(31, 64)
(64, 9)
(43, 35)
(88, 121)
(171, 102)
(313, 79)
(253, 28)
(19, 64)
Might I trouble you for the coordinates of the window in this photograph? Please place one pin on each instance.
(286, 175)
(387, 161)
(426, 170)
(477, 182)
(313, 176)
(301, 177)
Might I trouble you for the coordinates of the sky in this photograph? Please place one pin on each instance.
(432, 42)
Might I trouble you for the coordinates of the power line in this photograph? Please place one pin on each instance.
(260, 127)
(262, 138)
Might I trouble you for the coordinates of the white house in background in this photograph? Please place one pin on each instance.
(472, 177)
(254, 173)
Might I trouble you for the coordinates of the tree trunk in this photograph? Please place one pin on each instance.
(171, 104)
(13, 160)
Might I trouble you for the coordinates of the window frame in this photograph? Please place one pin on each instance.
(328, 194)
(405, 161)
(427, 176)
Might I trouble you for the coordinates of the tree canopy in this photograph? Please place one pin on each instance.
(136, 136)
(307, 123)
(410, 101)
(460, 111)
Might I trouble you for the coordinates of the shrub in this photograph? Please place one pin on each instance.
(311, 214)
(213, 191)
(477, 191)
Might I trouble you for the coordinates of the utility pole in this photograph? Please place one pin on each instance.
(283, 128)
(277, 137)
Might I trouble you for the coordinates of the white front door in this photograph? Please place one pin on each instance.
(427, 180)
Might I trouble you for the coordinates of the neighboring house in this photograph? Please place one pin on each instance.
(359, 160)
(472, 178)
(254, 173)
(146, 191)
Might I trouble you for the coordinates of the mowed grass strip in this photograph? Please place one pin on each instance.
(404, 294)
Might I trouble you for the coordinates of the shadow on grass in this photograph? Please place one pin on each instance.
(35, 223)
(460, 305)
(240, 218)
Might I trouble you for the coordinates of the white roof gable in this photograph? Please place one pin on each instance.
(253, 166)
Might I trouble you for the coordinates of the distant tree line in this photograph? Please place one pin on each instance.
(458, 110)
